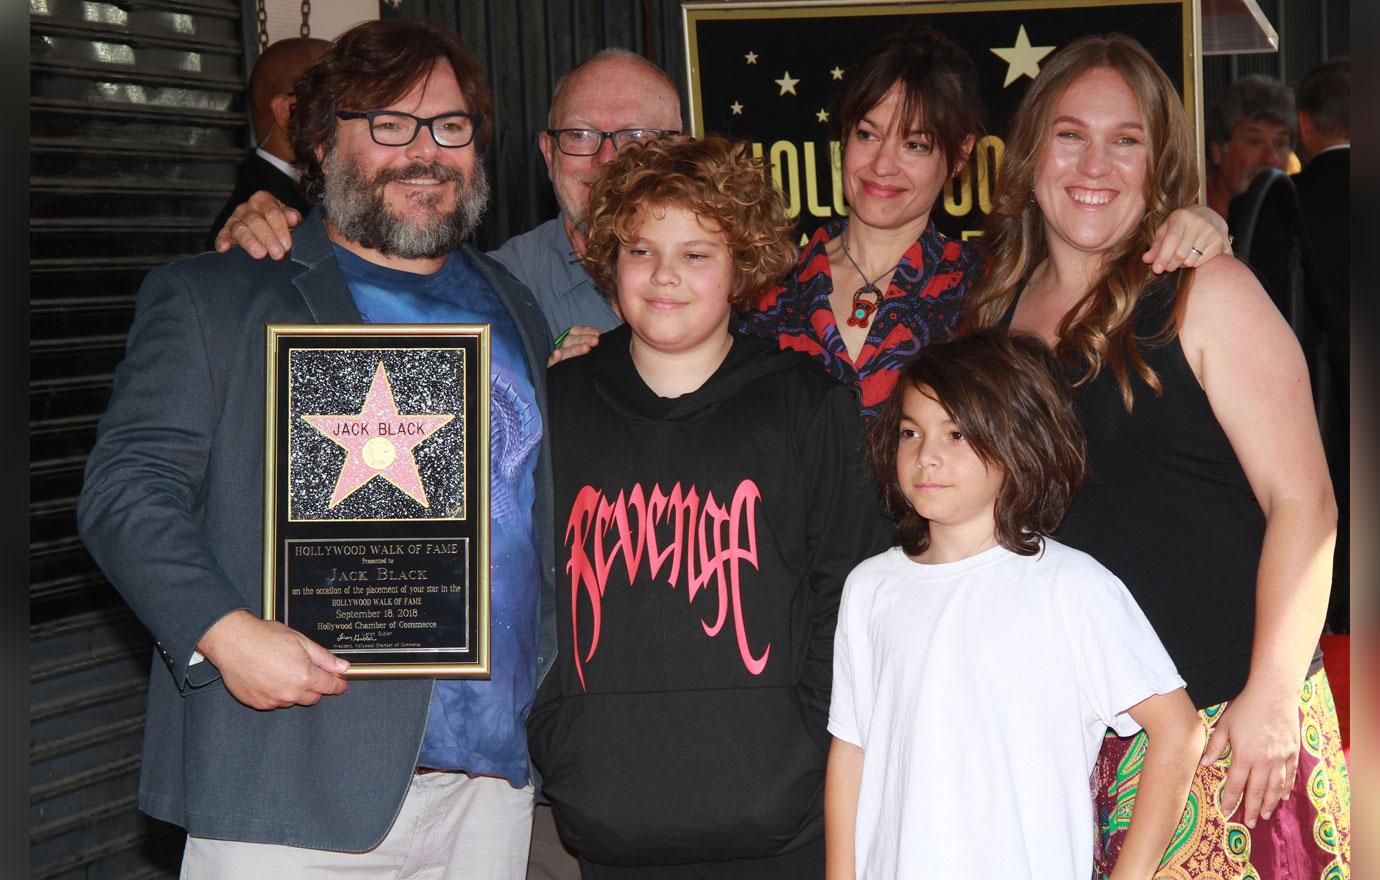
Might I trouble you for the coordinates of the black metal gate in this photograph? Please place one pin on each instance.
(136, 126)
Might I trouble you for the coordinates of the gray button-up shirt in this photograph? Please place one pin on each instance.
(545, 262)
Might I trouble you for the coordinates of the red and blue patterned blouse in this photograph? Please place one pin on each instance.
(922, 305)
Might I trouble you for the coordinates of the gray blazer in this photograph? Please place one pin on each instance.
(172, 510)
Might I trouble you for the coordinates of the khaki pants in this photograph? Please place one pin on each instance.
(451, 826)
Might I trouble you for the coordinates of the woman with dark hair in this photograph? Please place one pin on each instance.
(1208, 493)
(870, 291)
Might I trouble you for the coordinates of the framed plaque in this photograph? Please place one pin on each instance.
(376, 494)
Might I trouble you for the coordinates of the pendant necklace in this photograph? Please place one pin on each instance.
(861, 311)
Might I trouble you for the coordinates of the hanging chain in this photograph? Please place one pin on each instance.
(263, 23)
(263, 27)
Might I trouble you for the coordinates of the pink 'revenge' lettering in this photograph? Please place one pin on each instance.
(713, 542)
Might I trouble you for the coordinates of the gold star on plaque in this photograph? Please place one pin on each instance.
(1022, 59)
(822, 115)
(837, 72)
(751, 57)
(786, 83)
(737, 108)
(378, 441)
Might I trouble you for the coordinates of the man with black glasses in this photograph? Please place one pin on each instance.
(609, 100)
(253, 742)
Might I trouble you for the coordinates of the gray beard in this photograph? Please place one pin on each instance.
(355, 205)
(579, 218)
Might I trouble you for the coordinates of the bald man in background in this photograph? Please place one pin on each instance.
(610, 99)
(269, 166)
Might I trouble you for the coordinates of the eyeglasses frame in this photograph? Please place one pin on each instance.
(555, 135)
(422, 122)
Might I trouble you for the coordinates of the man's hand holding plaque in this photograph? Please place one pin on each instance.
(376, 507)
(265, 665)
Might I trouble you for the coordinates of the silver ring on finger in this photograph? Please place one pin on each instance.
(1197, 251)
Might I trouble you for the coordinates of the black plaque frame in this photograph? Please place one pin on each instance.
(408, 589)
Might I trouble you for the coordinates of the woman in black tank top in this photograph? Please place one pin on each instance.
(1208, 492)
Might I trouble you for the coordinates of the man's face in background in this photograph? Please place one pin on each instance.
(609, 95)
(1256, 144)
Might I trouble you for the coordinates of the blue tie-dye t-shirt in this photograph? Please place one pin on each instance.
(479, 726)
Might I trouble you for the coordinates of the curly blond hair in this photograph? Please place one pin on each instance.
(714, 179)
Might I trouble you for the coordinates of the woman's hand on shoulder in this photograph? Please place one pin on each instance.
(1190, 237)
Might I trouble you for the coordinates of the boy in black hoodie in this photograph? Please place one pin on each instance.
(711, 501)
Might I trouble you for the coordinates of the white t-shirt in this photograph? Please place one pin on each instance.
(979, 692)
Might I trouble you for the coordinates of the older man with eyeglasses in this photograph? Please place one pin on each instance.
(609, 100)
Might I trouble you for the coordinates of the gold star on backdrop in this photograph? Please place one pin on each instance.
(786, 83)
(837, 72)
(751, 57)
(1022, 59)
(737, 108)
(822, 115)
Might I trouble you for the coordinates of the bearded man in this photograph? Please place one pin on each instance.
(609, 100)
(253, 742)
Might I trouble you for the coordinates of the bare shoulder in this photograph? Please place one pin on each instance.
(1224, 283)
(1230, 326)
(1226, 303)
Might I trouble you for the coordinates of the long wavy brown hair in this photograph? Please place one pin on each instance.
(1099, 330)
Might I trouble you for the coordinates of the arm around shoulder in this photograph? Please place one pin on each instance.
(262, 225)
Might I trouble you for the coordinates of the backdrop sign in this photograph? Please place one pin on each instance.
(770, 73)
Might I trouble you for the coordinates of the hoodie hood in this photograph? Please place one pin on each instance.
(616, 380)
